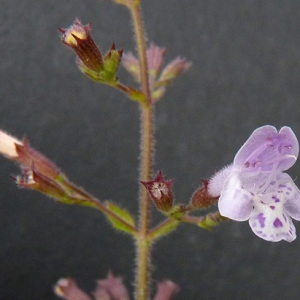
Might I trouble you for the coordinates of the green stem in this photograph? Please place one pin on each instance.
(142, 242)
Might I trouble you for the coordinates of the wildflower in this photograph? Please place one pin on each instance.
(255, 187)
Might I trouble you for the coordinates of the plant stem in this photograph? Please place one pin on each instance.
(142, 242)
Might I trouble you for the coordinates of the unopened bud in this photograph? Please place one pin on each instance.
(25, 155)
(201, 198)
(79, 38)
(166, 290)
(172, 70)
(67, 289)
(160, 191)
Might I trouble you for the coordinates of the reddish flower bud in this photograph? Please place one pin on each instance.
(67, 289)
(28, 156)
(172, 70)
(201, 198)
(166, 290)
(160, 191)
(111, 286)
(79, 38)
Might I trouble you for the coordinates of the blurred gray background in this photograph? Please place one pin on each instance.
(245, 74)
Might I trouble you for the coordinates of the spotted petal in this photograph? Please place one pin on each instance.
(235, 202)
(269, 220)
(291, 194)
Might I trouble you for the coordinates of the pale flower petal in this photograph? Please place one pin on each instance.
(235, 202)
(269, 222)
(267, 149)
(216, 183)
(7, 145)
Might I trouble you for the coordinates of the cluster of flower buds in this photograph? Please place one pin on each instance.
(110, 288)
(90, 61)
(158, 78)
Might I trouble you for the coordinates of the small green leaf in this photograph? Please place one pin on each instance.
(123, 220)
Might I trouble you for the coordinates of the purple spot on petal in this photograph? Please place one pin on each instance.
(246, 197)
(287, 193)
(261, 219)
(276, 199)
(277, 223)
(290, 189)
(284, 216)
(272, 207)
(281, 185)
(272, 182)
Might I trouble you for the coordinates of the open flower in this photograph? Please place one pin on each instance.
(255, 186)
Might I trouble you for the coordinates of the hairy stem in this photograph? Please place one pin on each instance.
(142, 242)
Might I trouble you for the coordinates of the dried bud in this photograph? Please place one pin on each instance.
(34, 180)
(79, 38)
(201, 198)
(160, 191)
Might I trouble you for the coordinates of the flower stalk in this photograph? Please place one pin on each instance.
(142, 242)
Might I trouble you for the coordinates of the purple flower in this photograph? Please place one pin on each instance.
(255, 187)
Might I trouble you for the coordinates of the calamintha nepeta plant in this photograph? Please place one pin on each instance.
(254, 187)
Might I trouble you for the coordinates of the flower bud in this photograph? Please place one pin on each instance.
(79, 38)
(22, 153)
(160, 191)
(166, 290)
(113, 286)
(172, 70)
(201, 198)
(67, 289)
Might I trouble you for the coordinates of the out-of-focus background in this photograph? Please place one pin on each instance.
(245, 74)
